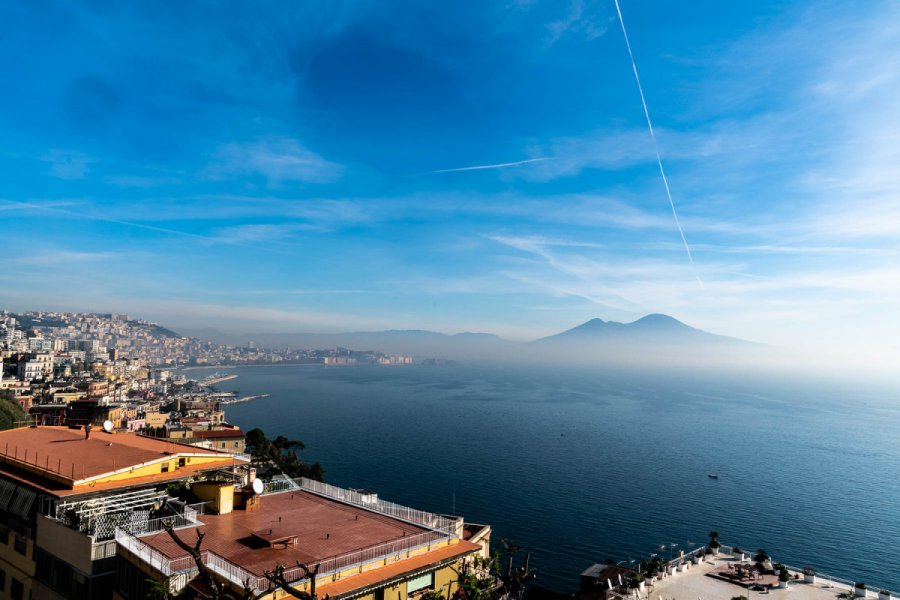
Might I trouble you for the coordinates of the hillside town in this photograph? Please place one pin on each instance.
(74, 369)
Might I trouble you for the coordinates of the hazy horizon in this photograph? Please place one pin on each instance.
(487, 168)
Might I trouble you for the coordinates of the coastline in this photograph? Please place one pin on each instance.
(224, 366)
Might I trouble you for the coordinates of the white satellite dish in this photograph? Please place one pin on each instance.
(107, 426)
(258, 486)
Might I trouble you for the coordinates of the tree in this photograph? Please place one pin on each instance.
(218, 591)
(10, 411)
(284, 453)
(482, 578)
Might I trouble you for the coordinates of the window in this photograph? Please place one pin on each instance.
(2, 580)
(181, 461)
(420, 584)
(16, 589)
(21, 544)
(164, 468)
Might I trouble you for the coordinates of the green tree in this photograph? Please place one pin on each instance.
(11, 414)
(489, 579)
(284, 453)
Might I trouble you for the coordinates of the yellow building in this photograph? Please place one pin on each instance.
(65, 491)
(359, 546)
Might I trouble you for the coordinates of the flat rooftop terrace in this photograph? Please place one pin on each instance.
(319, 529)
(60, 459)
(708, 581)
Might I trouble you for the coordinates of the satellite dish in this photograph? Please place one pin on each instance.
(258, 486)
(107, 426)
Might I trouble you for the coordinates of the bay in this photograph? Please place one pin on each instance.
(582, 465)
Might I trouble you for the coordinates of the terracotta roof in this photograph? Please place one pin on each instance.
(346, 585)
(58, 459)
(323, 529)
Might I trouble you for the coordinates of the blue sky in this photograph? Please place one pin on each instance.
(311, 166)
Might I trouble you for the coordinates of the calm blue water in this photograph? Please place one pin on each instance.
(579, 466)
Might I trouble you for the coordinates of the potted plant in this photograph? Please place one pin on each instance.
(783, 576)
(636, 581)
(761, 558)
(714, 542)
(654, 566)
(809, 574)
(884, 594)
(859, 589)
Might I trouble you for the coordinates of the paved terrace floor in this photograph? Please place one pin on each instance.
(323, 528)
(698, 584)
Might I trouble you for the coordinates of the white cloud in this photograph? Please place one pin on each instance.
(584, 18)
(276, 159)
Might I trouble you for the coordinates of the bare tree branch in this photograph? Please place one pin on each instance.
(276, 576)
(216, 589)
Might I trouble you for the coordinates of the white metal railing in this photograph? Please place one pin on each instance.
(154, 525)
(388, 552)
(836, 582)
(274, 486)
(232, 572)
(102, 550)
(159, 561)
(370, 502)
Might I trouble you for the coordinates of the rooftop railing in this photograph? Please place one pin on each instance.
(152, 557)
(375, 504)
(384, 553)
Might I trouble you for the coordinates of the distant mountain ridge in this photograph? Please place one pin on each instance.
(651, 328)
(651, 334)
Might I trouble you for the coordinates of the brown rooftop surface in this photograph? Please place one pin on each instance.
(324, 528)
(56, 457)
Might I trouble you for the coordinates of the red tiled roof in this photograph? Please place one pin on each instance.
(370, 578)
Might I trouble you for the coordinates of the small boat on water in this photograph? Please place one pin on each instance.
(713, 476)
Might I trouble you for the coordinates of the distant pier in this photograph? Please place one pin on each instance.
(244, 399)
(216, 378)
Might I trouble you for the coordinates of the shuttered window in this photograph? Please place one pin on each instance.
(420, 582)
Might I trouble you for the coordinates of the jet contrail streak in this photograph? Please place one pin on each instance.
(497, 166)
(655, 144)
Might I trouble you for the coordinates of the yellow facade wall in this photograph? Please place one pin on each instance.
(157, 467)
(445, 580)
(20, 566)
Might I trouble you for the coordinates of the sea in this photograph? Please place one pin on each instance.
(583, 465)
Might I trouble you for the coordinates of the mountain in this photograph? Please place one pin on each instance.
(651, 337)
(654, 328)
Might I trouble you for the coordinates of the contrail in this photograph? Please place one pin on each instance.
(655, 144)
(497, 166)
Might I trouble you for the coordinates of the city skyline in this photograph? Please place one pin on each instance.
(367, 166)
